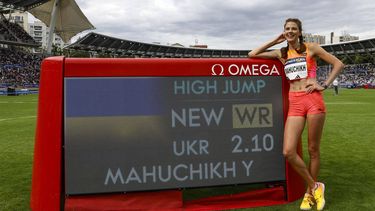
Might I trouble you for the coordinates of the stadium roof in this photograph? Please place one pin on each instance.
(24, 5)
(70, 20)
(102, 43)
(121, 47)
(350, 47)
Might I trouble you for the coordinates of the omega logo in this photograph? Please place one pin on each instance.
(248, 69)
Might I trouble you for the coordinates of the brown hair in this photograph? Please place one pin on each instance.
(302, 48)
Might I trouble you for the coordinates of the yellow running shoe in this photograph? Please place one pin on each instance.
(307, 202)
(319, 196)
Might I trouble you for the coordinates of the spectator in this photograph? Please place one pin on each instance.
(335, 84)
(353, 75)
(19, 68)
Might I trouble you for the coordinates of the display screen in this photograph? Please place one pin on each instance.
(148, 133)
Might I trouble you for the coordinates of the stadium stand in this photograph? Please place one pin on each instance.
(13, 34)
(353, 75)
(24, 5)
(19, 70)
(114, 47)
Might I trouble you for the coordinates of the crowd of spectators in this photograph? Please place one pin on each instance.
(353, 75)
(13, 32)
(19, 68)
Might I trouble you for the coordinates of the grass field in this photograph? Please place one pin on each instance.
(347, 150)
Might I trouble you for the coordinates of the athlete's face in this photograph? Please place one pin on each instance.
(291, 32)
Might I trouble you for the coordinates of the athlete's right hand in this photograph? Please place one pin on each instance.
(279, 39)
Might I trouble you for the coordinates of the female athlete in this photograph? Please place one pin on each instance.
(306, 103)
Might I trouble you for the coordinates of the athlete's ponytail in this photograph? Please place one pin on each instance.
(284, 51)
(302, 46)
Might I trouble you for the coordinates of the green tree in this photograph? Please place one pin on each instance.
(358, 59)
(76, 53)
(56, 50)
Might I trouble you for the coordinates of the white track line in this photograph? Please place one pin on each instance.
(15, 118)
(6, 102)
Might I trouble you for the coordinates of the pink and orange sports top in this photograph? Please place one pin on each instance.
(298, 66)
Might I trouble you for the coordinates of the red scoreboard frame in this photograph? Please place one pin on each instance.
(48, 167)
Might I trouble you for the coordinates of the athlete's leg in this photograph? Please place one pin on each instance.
(292, 134)
(315, 124)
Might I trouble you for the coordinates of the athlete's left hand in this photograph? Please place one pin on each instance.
(312, 86)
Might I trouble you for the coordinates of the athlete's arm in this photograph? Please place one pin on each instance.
(316, 50)
(260, 52)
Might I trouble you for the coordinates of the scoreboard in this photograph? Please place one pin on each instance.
(122, 125)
